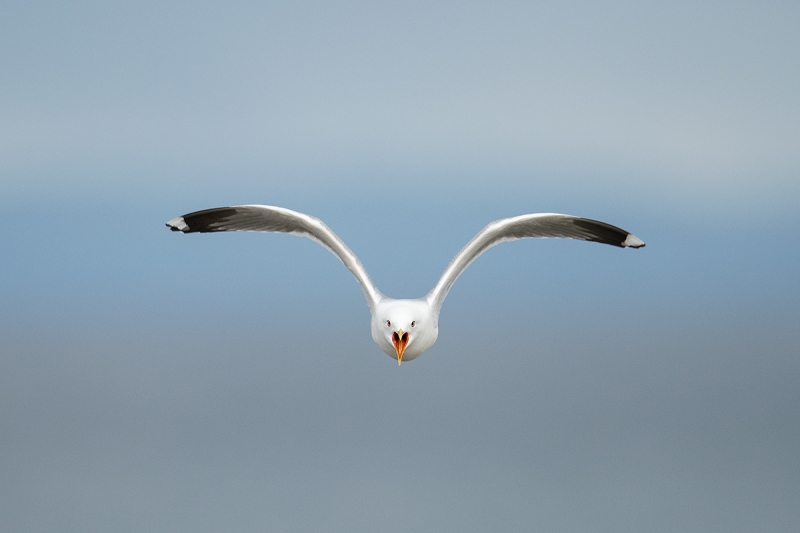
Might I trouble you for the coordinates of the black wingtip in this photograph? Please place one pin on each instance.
(204, 221)
(601, 232)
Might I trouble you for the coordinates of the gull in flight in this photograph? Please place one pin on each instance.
(402, 328)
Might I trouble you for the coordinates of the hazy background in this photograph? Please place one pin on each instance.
(151, 381)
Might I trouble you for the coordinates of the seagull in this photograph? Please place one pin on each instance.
(403, 329)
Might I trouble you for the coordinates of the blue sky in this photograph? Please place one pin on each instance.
(165, 382)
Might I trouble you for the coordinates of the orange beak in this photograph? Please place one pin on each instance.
(400, 341)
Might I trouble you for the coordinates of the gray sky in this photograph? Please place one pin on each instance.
(161, 382)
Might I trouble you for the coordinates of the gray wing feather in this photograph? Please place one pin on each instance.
(539, 225)
(280, 220)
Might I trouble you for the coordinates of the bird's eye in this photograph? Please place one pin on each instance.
(389, 323)
(413, 323)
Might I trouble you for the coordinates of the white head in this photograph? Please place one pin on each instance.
(404, 328)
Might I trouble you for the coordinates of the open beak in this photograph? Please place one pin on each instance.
(400, 341)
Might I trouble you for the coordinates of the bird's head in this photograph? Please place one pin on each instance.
(404, 328)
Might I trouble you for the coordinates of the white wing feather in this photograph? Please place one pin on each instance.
(278, 219)
(539, 225)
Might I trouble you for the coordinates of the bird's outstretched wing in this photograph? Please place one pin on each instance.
(277, 219)
(527, 226)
